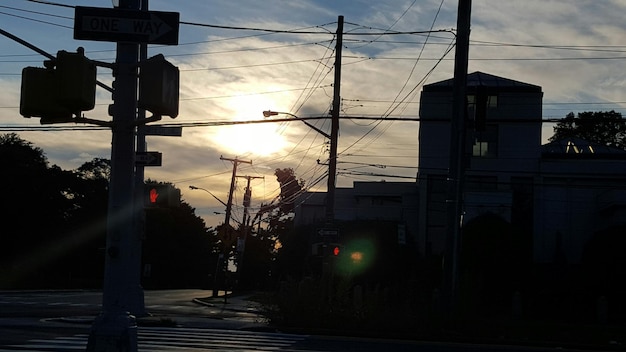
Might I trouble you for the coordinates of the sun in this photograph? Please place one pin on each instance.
(261, 139)
(258, 139)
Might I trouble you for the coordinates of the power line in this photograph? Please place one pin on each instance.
(246, 122)
(33, 12)
(35, 20)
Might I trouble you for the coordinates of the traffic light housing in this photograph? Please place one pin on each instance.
(327, 249)
(161, 196)
(159, 86)
(56, 94)
(40, 94)
(77, 81)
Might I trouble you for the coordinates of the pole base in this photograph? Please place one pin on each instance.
(113, 332)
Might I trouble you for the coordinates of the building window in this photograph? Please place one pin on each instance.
(480, 106)
(492, 102)
(485, 143)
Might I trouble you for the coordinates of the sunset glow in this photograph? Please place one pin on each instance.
(262, 139)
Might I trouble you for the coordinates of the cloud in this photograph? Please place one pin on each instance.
(573, 51)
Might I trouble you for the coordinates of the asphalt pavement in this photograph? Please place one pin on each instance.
(236, 312)
(241, 312)
(232, 311)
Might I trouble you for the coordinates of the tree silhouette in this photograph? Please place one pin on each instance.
(604, 127)
(55, 226)
(290, 188)
(179, 251)
(37, 213)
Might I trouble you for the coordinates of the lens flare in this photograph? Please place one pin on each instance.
(356, 257)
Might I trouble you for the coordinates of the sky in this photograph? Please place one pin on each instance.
(238, 58)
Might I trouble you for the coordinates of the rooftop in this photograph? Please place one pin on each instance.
(482, 79)
(580, 148)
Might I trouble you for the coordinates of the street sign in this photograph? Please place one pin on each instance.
(173, 131)
(328, 232)
(121, 25)
(148, 158)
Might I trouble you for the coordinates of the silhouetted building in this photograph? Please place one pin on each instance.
(384, 201)
(556, 195)
(501, 157)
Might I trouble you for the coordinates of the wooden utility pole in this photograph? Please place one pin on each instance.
(244, 229)
(229, 203)
(334, 128)
(457, 156)
(246, 200)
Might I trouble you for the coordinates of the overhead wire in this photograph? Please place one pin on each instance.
(395, 102)
(386, 117)
(269, 32)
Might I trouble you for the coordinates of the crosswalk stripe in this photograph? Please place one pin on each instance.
(181, 339)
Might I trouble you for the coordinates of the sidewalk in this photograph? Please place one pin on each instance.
(229, 311)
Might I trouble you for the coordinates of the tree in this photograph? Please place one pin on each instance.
(179, 251)
(86, 226)
(290, 188)
(266, 244)
(55, 226)
(281, 222)
(36, 212)
(604, 127)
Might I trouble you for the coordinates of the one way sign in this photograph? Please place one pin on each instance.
(121, 25)
(148, 158)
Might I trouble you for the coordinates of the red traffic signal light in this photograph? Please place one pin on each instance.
(326, 249)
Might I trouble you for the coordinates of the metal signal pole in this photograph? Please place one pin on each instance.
(115, 326)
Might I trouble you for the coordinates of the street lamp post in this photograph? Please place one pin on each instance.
(207, 191)
(268, 113)
(332, 162)
(219, 258)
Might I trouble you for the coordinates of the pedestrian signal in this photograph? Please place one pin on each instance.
(161, 196)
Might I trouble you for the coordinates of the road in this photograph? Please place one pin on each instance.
(44, 314)
(31, 321)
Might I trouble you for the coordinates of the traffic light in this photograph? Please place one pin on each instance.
(57, 94)
(39, 95)
(161, 196)
(77, 81)
(158, 86)
(327, 249)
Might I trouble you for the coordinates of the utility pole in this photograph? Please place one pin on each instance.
(334, 128)
(457, 156)
(246, 200)
(241, 242)
(229, 203)
(115, 326)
